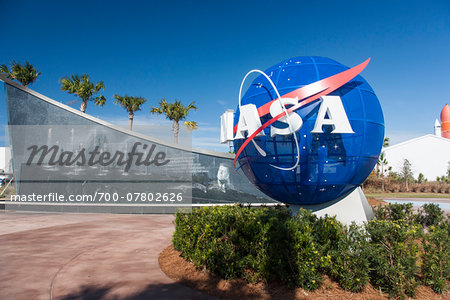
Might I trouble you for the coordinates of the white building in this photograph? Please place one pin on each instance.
(428, 154)
(5, 162)
(5, 159)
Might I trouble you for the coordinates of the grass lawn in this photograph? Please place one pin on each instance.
(407, 195)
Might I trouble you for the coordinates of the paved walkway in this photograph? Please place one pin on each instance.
(85, 256)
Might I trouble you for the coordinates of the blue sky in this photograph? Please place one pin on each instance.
(200, 50)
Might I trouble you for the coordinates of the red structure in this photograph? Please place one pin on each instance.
(445, 122)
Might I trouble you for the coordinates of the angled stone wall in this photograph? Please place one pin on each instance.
(52, 148)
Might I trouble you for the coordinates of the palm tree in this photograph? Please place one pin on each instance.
(83, 88)
(176, 112)
(26, 74)
(131, 104)
(381, 160)
(406, 172)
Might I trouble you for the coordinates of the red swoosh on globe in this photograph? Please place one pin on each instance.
(306, 94)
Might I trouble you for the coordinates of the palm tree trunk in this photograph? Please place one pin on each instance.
(176, 129)
(83, 106)
(131, 116)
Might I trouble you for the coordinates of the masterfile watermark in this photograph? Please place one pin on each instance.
(102, 197)
(38, 155)
(93, 168)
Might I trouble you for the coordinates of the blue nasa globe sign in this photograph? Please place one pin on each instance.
(308, 130)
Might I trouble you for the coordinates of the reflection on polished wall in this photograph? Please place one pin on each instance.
(65, 166)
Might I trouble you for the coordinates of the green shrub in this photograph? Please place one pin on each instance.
(234, 241)
(304, 257)
(8, 191)
(328, 233)
(430, 214)
(436, 257)
(396, 211)
(343, 252)
(270, 244)
(255, 243)
(393, 256)
(350, 259)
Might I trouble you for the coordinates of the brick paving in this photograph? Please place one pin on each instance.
(86, 256)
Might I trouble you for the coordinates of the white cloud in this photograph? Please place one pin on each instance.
(123, 121)
(208, 129)
(4, 136)
(209, 143)
(205, 137)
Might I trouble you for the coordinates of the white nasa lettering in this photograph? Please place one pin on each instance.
(226, 126)
(248, 121)
(332, 106)
(295, 122)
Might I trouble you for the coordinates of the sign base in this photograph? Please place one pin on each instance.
(352, 208)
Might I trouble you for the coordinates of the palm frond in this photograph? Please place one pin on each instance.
(100, 101)
(175, 111)
(26, 74)
(191, 125)
(192, 106)
(156, 110)
(131, 104)
(83, 88)
(99, 86)
(4, 69)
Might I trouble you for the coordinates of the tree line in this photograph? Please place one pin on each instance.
(383, 174)
(87, 91)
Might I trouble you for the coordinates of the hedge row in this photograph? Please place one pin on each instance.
(375, 184)
(269, 244)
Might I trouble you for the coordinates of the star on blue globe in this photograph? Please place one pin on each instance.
(328, 166)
